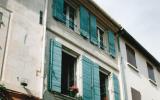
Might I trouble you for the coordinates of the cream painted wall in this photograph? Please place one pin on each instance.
(139, 80)
(23, 57)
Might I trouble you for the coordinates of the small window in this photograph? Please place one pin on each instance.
(69, 13)
(136, 95)
(150, 72)
(41, 17)
(68, 79)
(131, 56)
(1, 22)
(104, 86)
(100, 34)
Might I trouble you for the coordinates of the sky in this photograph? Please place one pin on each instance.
(141, 18)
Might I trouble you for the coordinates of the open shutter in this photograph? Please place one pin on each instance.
(87, 79)
(58, 6)
(93, 30)
(54, 74)
(111, 43)
(96, 82)
(116, 87)
(84, 22)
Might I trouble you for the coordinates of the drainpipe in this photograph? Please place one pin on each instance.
(45, 9)
(122, 66)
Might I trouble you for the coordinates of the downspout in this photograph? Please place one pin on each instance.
(122, 66)
(43, 43)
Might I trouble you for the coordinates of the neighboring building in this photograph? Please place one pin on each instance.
(140, 71)
(81, 52)
(21, 48)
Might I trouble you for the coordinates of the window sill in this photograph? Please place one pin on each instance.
(153, 82)
(63, 97)
(133, 67)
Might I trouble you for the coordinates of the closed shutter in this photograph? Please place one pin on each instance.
(116, 87)
(87, 79)
(58, 6)
(111, 43)
(54, 74)
(93, 30)
(84, 22)
(96, 82)
(91, 82)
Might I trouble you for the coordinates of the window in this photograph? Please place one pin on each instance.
(150, 72)
(68, 78)
(41, 17)
(136, 95)
(100, 34)
(69, 13)
(131, 56)
(1, 22)
(104, 86)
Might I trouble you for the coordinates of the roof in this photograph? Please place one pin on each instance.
(124, 34)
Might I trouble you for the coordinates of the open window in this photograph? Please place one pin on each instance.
(69, 13)
(104, 86)
(100, 34)
(68, 77)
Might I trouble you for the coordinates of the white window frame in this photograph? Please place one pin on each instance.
(98, 35)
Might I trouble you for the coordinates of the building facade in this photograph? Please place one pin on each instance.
(139, 71)
(81, 52)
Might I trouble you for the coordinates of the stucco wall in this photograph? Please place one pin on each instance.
(139, 80)
(24, 54)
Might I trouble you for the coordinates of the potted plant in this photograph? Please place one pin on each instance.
(73, 90)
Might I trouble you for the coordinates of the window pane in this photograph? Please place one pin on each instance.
(136, 95)
(71, 17)
(150, 72)
(131, 56)
(100, 34)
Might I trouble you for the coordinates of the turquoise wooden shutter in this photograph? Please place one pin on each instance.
(116, 87)
(96, 82)
(54, 74)
(87, 79)
(93, 30)
(111, 43)
(58, 6)
(84, 22)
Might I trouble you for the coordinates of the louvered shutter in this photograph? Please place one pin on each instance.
(116, 87)
(84, 22)
(96, 82)
(54, 73)
(111, 43)
(87, 79)
(57, 11)
(93, 30)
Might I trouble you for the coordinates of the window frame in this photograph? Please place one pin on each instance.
(1, 19)
(98, 36)
(67, 15)
(131, 54)
(75, 56)
(150, 70)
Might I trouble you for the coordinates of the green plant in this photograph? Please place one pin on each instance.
(3, 93)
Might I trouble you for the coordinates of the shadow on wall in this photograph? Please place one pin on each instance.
(34, 5)
(3, 2)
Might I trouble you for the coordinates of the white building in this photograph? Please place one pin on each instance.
(140, 71)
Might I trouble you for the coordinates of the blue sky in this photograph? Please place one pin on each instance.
(141, 18)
